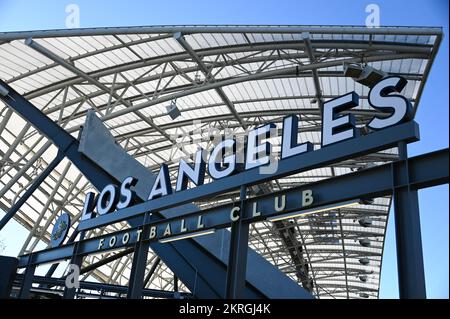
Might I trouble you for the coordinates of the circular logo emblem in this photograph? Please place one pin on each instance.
(60, 230)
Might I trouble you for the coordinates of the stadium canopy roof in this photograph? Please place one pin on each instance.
(226, 78)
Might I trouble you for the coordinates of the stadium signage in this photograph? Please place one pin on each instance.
(222, 163)
(201, 222)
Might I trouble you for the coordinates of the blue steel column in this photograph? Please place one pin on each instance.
(136, 281)
(69, 293)
(411, 276)
(27, 281)
(77, 260)
(8, 266)
(13, 210)
(237, 260)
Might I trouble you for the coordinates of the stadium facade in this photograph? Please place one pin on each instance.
(92, 121)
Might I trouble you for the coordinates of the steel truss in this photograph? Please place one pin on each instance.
(203, 78)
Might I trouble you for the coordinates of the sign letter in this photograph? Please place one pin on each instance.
(126, 193)
(289, 145)
(307, 197)
(234, 214)
(381, 99)
(215, 161)
(257, 153)
(196, 173)
(107, 199)
(161, 186)
(336, 129)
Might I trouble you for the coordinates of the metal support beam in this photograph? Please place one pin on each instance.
(237, 260)
(19, 138)
(53, 267)
(411, 275)
(47, 53)
(151, 271)
(62, 139)
(35, 230)
(426, 170)
(312, 60)
(175, 283)
(37, 182)
(179, 37)
(344, 254)
(27, 282)
(77, 260)
(24, 168)
(136, 282)
(9, 36)
(52, 56)
(106, 260)
(8, 266)
(370, 143)
(88, 285)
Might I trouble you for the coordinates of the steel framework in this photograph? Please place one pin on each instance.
(225, 78)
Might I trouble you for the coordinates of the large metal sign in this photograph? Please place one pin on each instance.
(230, 170)
(338, 143)
(319, 196)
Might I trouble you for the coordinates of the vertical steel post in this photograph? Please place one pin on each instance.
(237, 260)
(411, 276)
(27, 280)
(69, 293)
(8, 266)
(175, 283)
(77, 260)
(136, 282)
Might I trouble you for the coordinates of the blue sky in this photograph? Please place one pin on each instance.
(432, 114)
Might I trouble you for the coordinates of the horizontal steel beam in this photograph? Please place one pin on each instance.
(104, 287)
(277, 29)
(425, 171)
